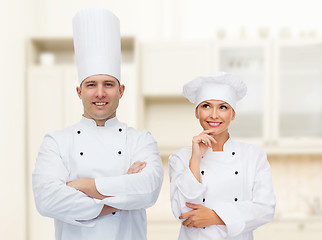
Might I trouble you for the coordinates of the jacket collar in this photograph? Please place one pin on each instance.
(91, 122)
(227, 144)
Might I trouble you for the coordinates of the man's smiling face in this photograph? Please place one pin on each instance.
(100, 95)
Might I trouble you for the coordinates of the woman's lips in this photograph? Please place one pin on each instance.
(214, 124)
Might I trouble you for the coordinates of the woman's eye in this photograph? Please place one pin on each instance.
(90, 85)
(223, 107)
(205, 105)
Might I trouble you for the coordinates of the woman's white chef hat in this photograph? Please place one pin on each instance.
(219, 86)
(97, 43)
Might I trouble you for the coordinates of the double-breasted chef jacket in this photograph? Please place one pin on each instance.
(105, 153)
(236, 183)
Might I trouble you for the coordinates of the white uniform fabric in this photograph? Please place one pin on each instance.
(85, 150)
(235, 183)
(97, 43)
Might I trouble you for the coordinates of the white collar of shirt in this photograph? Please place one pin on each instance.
(91, 122)
(227, 144)
(225, 156)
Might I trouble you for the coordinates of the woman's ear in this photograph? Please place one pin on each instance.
(197, 113)
(234, 115)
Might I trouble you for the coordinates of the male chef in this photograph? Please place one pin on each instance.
(97, 177)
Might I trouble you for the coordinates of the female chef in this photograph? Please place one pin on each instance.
(220, 188)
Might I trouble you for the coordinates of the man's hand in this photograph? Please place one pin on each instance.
(107, 210)
(200, 216)
(136, 167)
(87, 186)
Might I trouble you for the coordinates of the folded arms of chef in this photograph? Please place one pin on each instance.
(247, 215)
(135, 191)
(239, 217)
(52, 197)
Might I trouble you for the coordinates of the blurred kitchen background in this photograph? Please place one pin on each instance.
(275, 46)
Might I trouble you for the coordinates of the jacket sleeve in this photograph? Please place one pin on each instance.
(245, 216)
(52, 197)
(184, 187)
(140, 190)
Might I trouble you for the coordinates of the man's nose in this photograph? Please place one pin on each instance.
(100, 91)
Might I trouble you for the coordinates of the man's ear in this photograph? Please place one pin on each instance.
(79, 91)
(122, 89)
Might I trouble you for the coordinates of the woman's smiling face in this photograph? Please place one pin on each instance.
(215, 115)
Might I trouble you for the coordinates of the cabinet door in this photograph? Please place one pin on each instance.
(299, 81)
(250, 64)
(172, 122)
(166, 67)
(44, 114)
(127, 111)
(72, 107)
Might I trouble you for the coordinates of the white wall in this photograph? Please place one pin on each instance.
(186, 19)
(138, 17)
(12, 120)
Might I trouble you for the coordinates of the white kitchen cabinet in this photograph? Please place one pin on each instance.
(250, 62)
(166, 66)
(44, 114)
(283, 104)
(72, 105)
(298, 83)
(128, 107)
(171, 121)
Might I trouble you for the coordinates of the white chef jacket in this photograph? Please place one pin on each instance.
(105, 153)
(235, 183)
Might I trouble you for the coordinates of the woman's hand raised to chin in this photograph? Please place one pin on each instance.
(200, 144)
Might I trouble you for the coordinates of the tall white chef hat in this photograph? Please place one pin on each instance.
(97, 43)
(219, 86)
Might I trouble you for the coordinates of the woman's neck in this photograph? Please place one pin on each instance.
(221, 140)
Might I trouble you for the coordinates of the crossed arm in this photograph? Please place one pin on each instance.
(71, 203)
(88, 186)
(200, 216)
(233, 218)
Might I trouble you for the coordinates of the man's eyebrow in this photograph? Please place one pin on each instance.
(90, 82)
